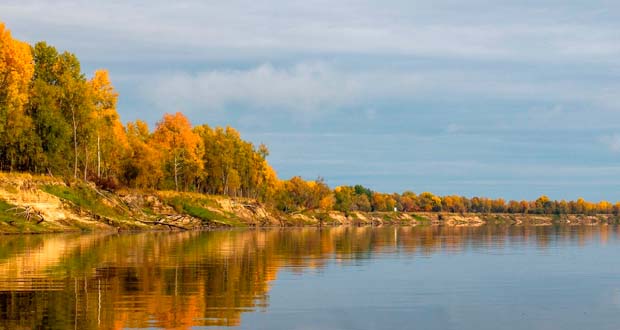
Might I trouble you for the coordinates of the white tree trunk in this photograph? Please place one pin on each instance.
(85, 163)
(98, 156)
(75, 148)
(176, 172)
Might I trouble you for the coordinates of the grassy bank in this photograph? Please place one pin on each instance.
(40, 204)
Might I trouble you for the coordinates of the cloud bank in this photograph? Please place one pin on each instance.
(511, 98)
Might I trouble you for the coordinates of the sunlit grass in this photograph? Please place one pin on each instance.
(198, 206)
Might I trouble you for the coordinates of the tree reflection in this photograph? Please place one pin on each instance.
(185, 279)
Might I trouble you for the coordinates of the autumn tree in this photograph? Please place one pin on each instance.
(328, 202)
(408, 201)
(75, 105)
(429, 202)
(454, 203)
(143, 166)
(16, 71)
(182, 148)
(111, 145)
(382, 202)
(356, 198)
(543, 205)
(233, 166)
(51, 128)
(297, 194)
(60, 108)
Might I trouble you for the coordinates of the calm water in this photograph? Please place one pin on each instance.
(488, 277)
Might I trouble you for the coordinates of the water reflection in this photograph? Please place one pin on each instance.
(185, 279)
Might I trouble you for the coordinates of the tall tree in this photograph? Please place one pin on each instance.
(110, 140)
(16, 71)
(143, 166)
(52, 130)
(60, 108)
(182, 147)
(234, 166)
(75, 105)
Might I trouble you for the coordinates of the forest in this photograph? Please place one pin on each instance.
(56, 120)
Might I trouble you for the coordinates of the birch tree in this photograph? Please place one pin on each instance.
(182, 148)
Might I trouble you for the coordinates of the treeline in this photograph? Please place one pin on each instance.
(297, 195)
(54, 120)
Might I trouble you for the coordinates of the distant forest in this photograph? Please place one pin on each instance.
(55, 120)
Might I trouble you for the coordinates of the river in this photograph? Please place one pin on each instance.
(432, 277)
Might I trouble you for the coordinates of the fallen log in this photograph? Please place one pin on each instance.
(163, 224)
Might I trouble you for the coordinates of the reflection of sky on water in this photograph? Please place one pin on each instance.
(335, 278)
(560, 285)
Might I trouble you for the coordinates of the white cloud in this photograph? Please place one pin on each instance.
(305, 87)
(245, 29)
(314, 88)
(513, 81)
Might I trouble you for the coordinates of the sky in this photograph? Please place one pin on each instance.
(510, 99)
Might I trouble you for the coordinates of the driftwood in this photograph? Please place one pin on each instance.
(123, 207)
(160, 222)
(126, 209)
(111, 200)
(252, 207)
(175, 218)
(29, 213)
(111, 221)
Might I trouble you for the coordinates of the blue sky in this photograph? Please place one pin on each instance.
(508, 99)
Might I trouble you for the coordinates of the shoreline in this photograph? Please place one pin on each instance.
(40, 204)
(291, 227)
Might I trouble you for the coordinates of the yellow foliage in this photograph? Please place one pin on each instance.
(111, 141)
(182, 147)
(328, 202)
(145, 159)
(16, 69)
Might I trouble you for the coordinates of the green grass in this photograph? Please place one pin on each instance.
(13, 223)
(85, 199)
(389, 217)
(82, 197)
(6, 215)
(420, 218)
(197, 207)
(88, 200)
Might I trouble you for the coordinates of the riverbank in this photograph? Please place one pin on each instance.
(43, 204)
